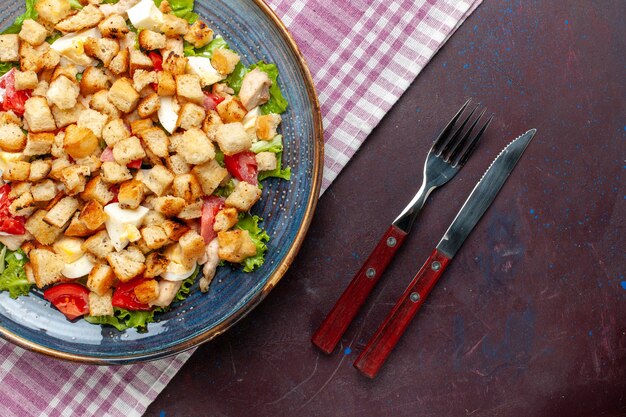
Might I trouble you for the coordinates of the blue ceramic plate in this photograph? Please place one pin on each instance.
(252, 29)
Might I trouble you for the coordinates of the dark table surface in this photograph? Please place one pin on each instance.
(530, 317)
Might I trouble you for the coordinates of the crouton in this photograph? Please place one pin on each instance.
(125, 265)
(100, 278)
(30, 59)
(243, 196)
(192, 245)
(42, 231)
(19, 188)
(174, 63)
(191, 211)
(50, 58)
(53, 11)
(47, 266)
(254, 89)
(9, 48)
(199, 34)
(9, 117)
(88, 17)
(33, 32)
(113, 26)
(177, 164)
(138, 60)
(156, 140)
(156, 264)
(210, 123)
(101, 304)
(63, 93)
(173, 26)
(128, 150)
(143, 78)
(195, 147)
(79, 141)
(168, 205)
(24, 205)
(175, 140)
(210, 175)
(93, 80)
(166, 84)
(232, 138)
(266, 161)
(123, 95)
(100, 102)
(70, 248)
(67, 117)
(235, 245)
(93, 120)
(92, 162)
(173, 229)
(224, 60)
(67, 69)
(57, 167)
(26, 80)
(225, 219)
(39, 169)
(231, 110)
(191, 115)
(158, 179)
(38, 144)
(96, 189)
(114, 173)
(138, 127)
(153, 218)
(38, 115)
(115, 131)
(147, 291)
(62, 212)
(149, 40)
(12, 138)
(44, 190)
(266, 125)
(187, 187)
(188, 86)
(92, 215)
(41, 89)
(99, 244)
(131, 194)
(154, 236)
(119, 64)
(149, 105)
(104, 49)
(16, 171)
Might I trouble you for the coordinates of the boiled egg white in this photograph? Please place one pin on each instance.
(249, 120)
(178, 272)
(122, 224)
(167, 114)
(145, 15)
(203, 68)
(71, 46)
(79, 268)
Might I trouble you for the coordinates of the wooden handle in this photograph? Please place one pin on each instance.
(384, 340)
(354, 296)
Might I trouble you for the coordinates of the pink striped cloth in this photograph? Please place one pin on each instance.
(363, 55)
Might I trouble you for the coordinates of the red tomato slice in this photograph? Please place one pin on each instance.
(124, 295)
(243, 166)
(107, 155)
(136, 164)
(157, 60)
(211, 100)
(14, 100)
(13, 225)
(71, 299)
(212, 205)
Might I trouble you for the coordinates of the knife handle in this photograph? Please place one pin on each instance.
(346, 308)
(384, 340)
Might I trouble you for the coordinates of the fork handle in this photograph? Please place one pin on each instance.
(384, 340)
(346, 308)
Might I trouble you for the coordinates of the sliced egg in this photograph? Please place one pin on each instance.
(119, 222)
(177, 272)
(167, 115)
(203, 68)
(145, 15)
(71, 46)
(249, 120)
(79, 268)
(70, 248)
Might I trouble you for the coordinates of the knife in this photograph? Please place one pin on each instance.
(384, 340)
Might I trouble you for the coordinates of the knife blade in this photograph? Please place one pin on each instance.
(384, 340)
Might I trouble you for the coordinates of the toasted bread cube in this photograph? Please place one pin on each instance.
(191, 211)
(158, 180)
(38, 144)
(104, 49)
(153, 218)
(125, 264)
(92, 161)
(26, 80)
(100, 278)
(138, 60)
(139, 126)
(114, 173)
(79, 141)
(57, 167)
(30, 59)
(156, 264)
(266, 161)
(123, 95)
(67, 117)
(235, 245)
(100, 102)
(149, 40)
(16, 171)
(33, 32)
(93, 215)
(24, 205)
(131, 194)
(39, 169)
(199, 34)
(99, 244)
(232, 138)
(128, 150)
(154, 236)
(12, 139)
(266, 126)
(224, 60)
(63, 93)
(9, 117)
(210, 175)
(255, 89)
(243, 196)
(44, 191)
(19, 188)
(74, 178)
(9, 48)
(96, 189)
(119, 64)
(149, 105)
(93, 120)
(41, 89)
(68, 70)
(173, 229)
(191, 115)
(62, 212)
(42, 231)
(177, 164)
(168, 205)
(47, 266)
(147, 291)
(77, 228)
(156, 140)
(143, 78)
(188, 86)
(225, 219)
(53, 11)
(173, 26)
(195, 147)
(187, 187)
(113, 26)
(192, 245)
(38, 115)
(49, 57)
(174, 63)
(115, 131)
(231, 110)
(210, 123)
(93, 80)
(101, 305)
(88, 17)
(167, 85)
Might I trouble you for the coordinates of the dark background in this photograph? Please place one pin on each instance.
(530, 318)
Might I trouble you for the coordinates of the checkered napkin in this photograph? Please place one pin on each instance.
(363, 55)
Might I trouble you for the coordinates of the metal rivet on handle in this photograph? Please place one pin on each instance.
(415, 297)
(391, 241)
(436, 266)
(370, 273)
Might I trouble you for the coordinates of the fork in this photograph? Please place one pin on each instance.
(449, 152)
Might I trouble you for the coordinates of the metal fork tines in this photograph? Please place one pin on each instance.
(449, 152)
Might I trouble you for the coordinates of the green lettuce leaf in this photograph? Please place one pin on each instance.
(125, 319)
(275, 145)
(185, 287)
(30, 13)
(207, 50)
(277, 103)
(182, 8)
(110, 1)
(13, 276)
(6, 67)
(226, 190)
(236, 77)
(75, 4)
(55, 35)
(278, 172)
(259, 237)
